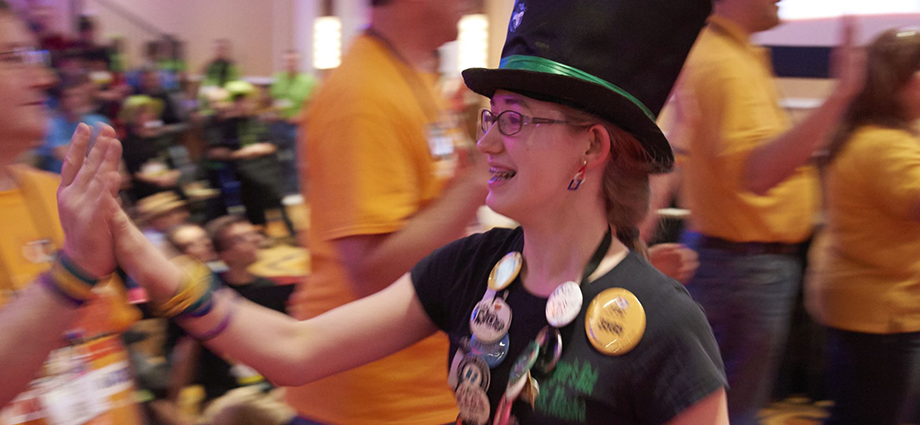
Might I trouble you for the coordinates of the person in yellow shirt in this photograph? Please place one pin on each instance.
(58, 320)
(752, 194)
(866, 288)
(380, 201)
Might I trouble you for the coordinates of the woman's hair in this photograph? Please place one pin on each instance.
(625, 181)
(4, 6)
(893, 58)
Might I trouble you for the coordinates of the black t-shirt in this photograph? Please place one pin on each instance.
(675, 364)
(212, 371)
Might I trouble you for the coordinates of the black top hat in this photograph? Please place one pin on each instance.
(617, 59)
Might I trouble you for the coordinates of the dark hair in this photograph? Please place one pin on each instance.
(217, 230)
(4, 6)
(375, 3)
(893, 58)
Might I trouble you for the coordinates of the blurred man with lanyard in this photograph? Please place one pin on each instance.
(751, 189)
(376, 154)
(59, 312)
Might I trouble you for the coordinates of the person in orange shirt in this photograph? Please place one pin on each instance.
(58, 319)
(382, 197)
(865, 287)
(751, 191)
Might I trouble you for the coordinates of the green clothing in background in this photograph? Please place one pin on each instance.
(290, 92)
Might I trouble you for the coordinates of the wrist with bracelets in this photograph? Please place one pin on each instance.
(69, 281)
(195, 300)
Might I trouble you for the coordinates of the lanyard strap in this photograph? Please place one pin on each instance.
(423, 96)
(598, 256)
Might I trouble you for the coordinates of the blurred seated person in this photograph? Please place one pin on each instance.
(146, 148)
(151, 85)
(75, 106)
(193, 241)
(241, 149)
(158, 213)
(222, 68)
(227, 385)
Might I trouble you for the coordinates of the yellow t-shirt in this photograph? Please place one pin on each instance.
(732, 81)
(868, 271)
(103, 393)
(369, 170)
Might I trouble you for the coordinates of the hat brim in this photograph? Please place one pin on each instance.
(582, 95)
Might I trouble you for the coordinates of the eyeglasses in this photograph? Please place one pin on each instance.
(25, 56)
(511, 122)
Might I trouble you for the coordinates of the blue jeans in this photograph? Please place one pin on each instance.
(873, 376)
(748, 300)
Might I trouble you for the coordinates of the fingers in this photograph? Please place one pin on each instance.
(75, 155)
(110, 162)
(93, 162)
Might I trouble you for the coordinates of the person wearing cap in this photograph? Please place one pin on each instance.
(865, 287)
(750, 188)
(160, 212)
(146, 148)
(59, 318)
(571, 140)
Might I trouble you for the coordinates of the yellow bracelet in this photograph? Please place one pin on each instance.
(70, 284)
(194, 286)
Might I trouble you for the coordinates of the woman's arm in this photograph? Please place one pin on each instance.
(284, 350)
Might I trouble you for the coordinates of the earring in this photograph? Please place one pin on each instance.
(579, 176)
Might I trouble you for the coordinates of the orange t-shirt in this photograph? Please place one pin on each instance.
(87, 379)
(369, 170)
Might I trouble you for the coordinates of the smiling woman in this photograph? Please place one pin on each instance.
(560, 321)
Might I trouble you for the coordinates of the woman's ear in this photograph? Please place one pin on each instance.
(599, 147)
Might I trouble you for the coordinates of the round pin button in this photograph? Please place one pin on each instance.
(490, 320)
(474, 370)
(564, 304)
(494, 354)
(473, 403)
(505, 271)
(615, 321)
(550, 349)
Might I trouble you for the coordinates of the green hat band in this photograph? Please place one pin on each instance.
(537, 64)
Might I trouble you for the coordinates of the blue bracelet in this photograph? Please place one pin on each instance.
(76, 270)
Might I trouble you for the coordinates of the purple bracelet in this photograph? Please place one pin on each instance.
(217, 330)
(48, 281)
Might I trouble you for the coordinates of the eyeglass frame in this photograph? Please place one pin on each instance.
(525, 120)
(25, 56)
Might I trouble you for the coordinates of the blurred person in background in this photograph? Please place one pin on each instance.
(751, 190)
(146, 149)
(291, 91)
(76, 107)
(379, 203)
(227, 384)
(157, 214)
(56, 328)
(865, 287)
(222, 69)
(241, 154)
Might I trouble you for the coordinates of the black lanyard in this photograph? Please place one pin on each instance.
(598, 256)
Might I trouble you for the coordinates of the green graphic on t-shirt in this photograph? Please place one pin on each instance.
(557, 401)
